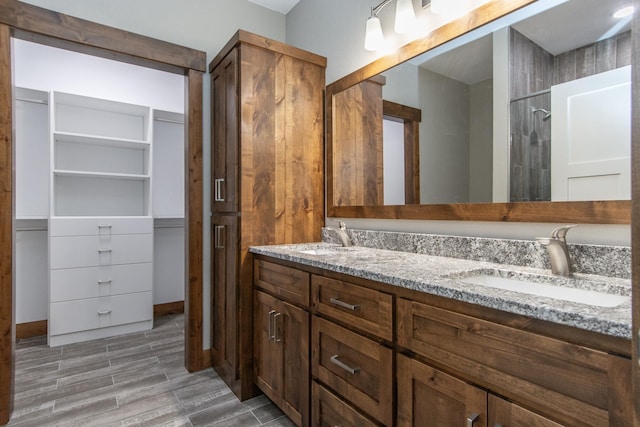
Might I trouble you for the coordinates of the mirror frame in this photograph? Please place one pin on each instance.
(588, 212)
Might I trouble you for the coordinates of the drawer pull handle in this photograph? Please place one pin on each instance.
(100, 313)
(104, 282)
(104, 226)
(336, 361)
(472, 419)
(271, 328)
(343, 304)
(497, 425)
(104, 251)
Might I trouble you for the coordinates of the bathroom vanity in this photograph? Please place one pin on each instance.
(364, 337)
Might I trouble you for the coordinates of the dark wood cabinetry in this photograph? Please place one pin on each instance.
(267, 178)
(384, 355)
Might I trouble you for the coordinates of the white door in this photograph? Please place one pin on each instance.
(591, 137)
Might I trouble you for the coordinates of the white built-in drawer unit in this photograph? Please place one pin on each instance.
(100, 277)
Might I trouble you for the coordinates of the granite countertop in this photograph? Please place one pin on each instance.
(446, 277)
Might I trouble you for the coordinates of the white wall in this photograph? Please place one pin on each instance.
(200, 24)
(335, 29)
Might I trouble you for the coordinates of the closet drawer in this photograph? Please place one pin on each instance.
(363, 308)
(330, 410)
(100, 226)
(89, 251)
(287, 283)
(81, 315)
(91, 282)
(357, 368)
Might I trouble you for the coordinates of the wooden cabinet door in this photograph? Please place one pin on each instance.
(224, 304)
(224, 134)
(428, 397)
(507, 414)
(281, 351)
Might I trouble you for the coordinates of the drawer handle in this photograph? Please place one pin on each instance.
(343, 304)
(104, 251)
(104, 226)
(472, 419)
(341, 364)
(104, 282)
(101, 313)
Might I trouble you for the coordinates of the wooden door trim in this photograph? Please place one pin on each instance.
(32, 23)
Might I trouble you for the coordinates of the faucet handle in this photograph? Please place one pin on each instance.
(341, 224)
(561, 232)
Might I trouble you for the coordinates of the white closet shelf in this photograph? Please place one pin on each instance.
(80, 138)
(103, 175)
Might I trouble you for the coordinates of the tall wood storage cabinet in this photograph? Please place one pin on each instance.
(267, 178)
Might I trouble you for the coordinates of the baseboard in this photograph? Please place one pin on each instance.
(31, 329)
(168, 308)
(39, 327)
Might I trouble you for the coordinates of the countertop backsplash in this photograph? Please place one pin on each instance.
(610, 261)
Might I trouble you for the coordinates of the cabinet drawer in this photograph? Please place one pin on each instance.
(88, 251)
(91, 282)
(330, 410)
(287, 283)
(81, 315)
(357, 368)
(100, 225)
(366, 309)
(564, 380)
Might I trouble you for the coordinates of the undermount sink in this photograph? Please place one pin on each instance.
(318, 251)
(566, 293)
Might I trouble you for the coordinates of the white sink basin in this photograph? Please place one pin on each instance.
(319, 251)
(582, 296)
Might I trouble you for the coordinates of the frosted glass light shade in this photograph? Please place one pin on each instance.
(405, 17)
(374, 38)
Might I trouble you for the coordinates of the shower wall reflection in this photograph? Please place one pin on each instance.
(533, 72)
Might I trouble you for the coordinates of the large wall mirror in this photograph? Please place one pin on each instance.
(519, 111)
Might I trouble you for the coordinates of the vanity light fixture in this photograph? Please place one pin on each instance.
(405, 20)
(624, 12)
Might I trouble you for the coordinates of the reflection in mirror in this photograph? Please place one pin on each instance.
(528, 108)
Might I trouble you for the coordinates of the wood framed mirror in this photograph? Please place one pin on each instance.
(354, 181)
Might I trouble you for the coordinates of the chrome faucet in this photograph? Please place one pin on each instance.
(558, 252)
(341, 231)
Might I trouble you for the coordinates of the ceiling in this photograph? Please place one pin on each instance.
(567, 26)
(282, 6)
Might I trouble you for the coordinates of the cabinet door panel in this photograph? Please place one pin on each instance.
(225, 334)
(268, 355)
(430, 398)
(225, 125)
(508, 414)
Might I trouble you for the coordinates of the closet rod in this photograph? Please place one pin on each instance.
(31, 228)
(35, 101)
(531, 95)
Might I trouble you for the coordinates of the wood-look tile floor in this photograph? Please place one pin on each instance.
(130, 380)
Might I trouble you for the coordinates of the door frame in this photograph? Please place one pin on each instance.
(24, 21)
